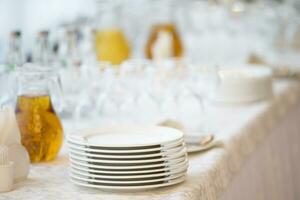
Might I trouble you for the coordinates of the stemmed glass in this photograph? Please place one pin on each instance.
(203, 83)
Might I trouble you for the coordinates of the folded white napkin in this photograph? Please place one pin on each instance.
(10, 137)
(10, 133)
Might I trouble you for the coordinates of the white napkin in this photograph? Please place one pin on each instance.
(10, 136)
(9, 131)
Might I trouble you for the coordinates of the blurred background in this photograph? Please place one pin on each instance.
(215, 31)
(114, 57)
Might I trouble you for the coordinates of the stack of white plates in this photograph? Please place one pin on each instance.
(127, 158)
(244, 85)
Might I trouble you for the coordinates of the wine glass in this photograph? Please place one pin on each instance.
(203, 82)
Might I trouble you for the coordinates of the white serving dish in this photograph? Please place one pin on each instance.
(163, 164)
(180, 154)
(89, 184)
(242, 85)
(138, 156)
(134, 172)
(130, 151)
(124, 182)
(131, 176)
(119, 137)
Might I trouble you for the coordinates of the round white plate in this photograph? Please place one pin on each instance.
(125, 151)
(127, 188)
(135, 172)
(126, 136)
(148, 166)
(124, 176)
(137, 161)
(126, 156)
(124, 182)
(194, 148)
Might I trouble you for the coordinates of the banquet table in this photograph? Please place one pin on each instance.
(259, 159)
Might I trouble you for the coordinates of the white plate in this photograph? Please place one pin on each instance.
(148, 166)
(137, 161)
(125, 151)
(194, 148)
(129, 160)
(126, 136)
(135, 172)
(127, 188)
(124, 182)
(126, 156)
(125, 176)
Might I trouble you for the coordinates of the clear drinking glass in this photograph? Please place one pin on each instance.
(203, 83)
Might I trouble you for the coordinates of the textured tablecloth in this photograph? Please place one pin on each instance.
(273, 171)
(213, 174)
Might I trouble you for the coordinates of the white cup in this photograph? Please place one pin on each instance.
(6, 177)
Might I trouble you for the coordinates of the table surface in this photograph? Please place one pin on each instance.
(241, 128)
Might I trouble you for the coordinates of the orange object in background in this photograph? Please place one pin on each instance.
(112, 46)
(175, 46)
(41, 129)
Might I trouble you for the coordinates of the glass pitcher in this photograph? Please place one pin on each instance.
(40, 127)
(111, 42)
(164, 40)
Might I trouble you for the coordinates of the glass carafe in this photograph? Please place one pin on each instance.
(111, 42)
(164, 41)
(40, 127)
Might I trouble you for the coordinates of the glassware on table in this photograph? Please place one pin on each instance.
(42, 53)
(164, 40)
(72, 55)
(14, 56)
(40, 127)
(203, 83)
(110, 41)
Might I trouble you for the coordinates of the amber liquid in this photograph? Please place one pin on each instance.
(112, 46)
(41, 130)
(177, 45)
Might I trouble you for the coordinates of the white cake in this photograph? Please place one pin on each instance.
(241, 85)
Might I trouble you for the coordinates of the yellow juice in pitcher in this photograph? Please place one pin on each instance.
(41, 129)
(112, 46)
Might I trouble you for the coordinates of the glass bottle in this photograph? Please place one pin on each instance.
(164, 40)
(42, 53)
(14, 55)
(70, 47)
(40, 127)
(111, 42)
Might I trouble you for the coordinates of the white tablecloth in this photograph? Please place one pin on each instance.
(244, 166)
(272, 172)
